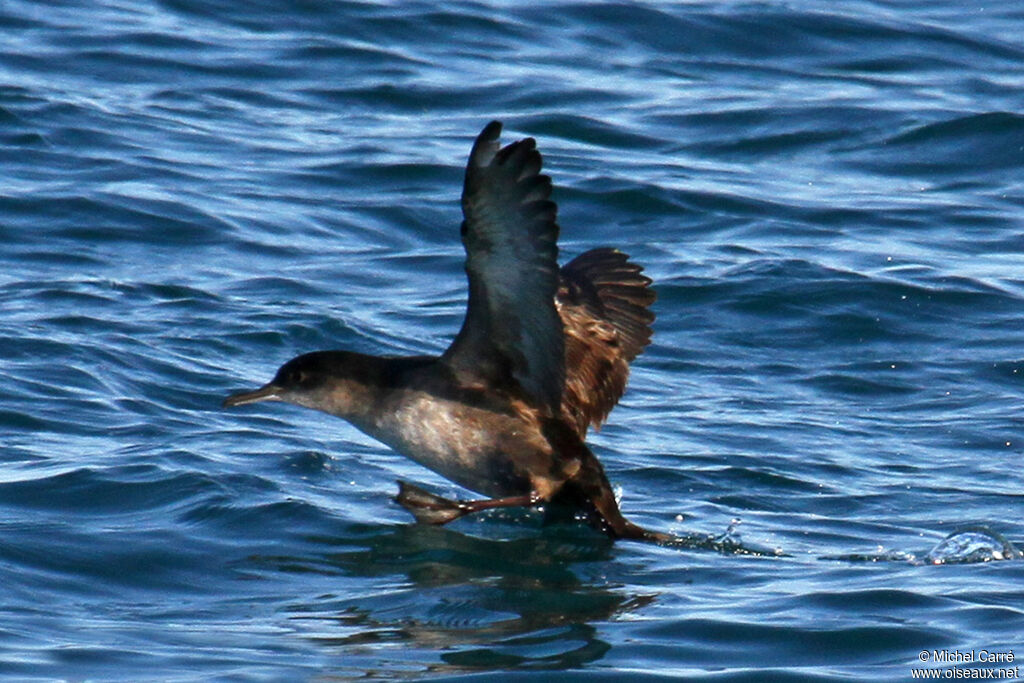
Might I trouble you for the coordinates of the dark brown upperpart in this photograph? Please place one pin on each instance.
(512, 332)
(603, 302)
(559, 338)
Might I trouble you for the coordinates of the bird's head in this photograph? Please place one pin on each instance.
(335, 382)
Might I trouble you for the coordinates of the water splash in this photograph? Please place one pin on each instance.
(970, 545)
(729, 542)
(967, 545)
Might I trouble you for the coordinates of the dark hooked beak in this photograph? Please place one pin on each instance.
(268, 392)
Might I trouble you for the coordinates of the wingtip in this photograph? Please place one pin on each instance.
(486, 146)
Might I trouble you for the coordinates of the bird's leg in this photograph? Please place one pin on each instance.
(617, 526)
(589, 488)
(429, 508)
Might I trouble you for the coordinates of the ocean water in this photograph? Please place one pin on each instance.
(829, 197)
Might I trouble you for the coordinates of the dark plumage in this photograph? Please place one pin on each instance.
(543, 353)
(602, 300)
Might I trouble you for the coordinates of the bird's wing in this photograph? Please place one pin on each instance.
(604, 302)
(512, 330)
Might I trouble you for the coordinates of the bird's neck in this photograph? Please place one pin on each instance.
(356, 389)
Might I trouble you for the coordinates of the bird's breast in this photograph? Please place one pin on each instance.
(485, 450)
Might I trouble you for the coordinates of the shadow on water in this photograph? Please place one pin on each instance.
(481, 604)
(535, 599)
(528, 597)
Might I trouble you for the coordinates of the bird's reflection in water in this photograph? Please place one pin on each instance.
(474, 603)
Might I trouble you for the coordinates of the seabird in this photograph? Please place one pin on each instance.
(543, 354)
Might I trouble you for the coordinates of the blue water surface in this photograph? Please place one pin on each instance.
(829, 197)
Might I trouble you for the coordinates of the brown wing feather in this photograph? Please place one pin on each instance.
(603, 302)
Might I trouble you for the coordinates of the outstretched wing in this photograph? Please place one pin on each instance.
(512, 330)
(604, 302)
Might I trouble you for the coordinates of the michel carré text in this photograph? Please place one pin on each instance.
(971, 656)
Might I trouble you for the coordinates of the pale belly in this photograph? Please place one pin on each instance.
(484, 451)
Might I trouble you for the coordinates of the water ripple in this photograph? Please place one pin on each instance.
(828, 200)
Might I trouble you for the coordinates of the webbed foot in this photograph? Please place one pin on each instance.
(427, 507)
